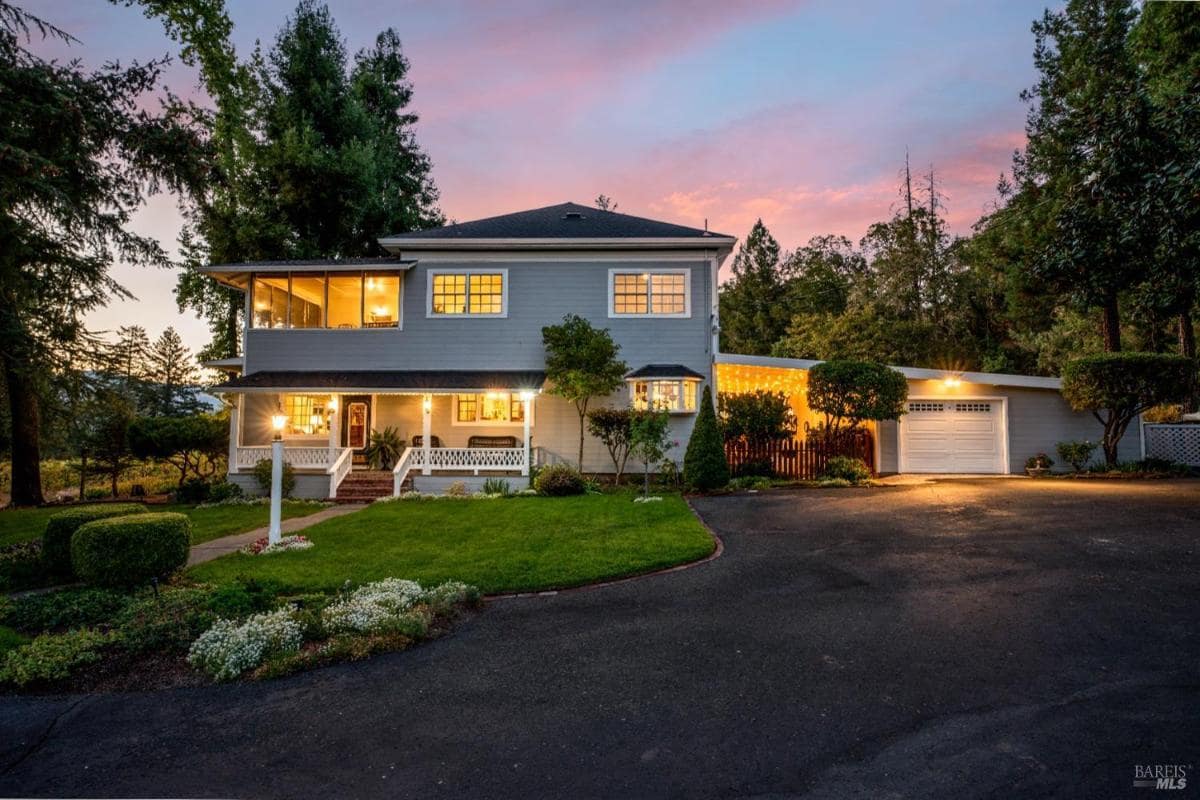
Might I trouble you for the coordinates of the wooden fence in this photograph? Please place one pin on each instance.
(800, 460)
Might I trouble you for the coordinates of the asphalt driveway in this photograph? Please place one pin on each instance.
(989, 638)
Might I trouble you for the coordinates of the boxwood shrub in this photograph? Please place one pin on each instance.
(56, 540)
(559, 480)
(128, 551)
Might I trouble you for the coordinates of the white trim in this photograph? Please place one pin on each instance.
(912, 373)
(324, 327)
(579, 256)
(239, 269)
(560, 243)
(682, 380)
(487, 423)
(430, 274)
(686, 272)
(1005, 465)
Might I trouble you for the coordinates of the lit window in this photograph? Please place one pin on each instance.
(467, 293)
(319, 300)
(649, 293)
(676, 396)
(306, 415)
(489, 408)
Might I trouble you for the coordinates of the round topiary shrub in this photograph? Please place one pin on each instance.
(262, 474)
(559, 480)
(129, 551)
(56, 540)
(845, 468)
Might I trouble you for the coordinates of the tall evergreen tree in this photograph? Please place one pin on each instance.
(172, 374)
(78, 155)
(752, 317)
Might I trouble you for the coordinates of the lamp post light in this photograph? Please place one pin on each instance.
(273, 532)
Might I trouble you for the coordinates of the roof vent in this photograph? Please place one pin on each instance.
(572, 215)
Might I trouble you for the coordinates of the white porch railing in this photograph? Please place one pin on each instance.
(340, 469)
(452, 459)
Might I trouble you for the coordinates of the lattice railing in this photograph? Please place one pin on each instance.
(1179, 443)
(298, 457)
(473, 459)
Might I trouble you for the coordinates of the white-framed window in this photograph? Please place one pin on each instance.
(307, 415)
(489, 408)
(649, 293)
(467, 293)
(676, 395)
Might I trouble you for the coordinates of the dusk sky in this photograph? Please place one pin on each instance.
(795, 112)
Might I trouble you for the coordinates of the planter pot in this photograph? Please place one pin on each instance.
(1037, 472)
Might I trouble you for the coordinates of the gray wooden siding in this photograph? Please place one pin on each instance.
(539, 293)
(1037, 420)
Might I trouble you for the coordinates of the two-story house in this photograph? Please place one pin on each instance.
(442, 341)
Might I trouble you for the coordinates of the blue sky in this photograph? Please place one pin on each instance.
(796, 112)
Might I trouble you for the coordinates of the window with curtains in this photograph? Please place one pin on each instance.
(489, 408)
(307, 415)
(314, 299)
(676, 395)
(656, 293)
(481, 293)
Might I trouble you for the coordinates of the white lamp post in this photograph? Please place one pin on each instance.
(527, 399)
(273, 532)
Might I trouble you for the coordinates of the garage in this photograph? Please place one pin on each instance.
(965, 435)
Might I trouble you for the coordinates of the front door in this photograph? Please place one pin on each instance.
(356, 421)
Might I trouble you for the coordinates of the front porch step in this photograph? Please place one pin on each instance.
(363, 485)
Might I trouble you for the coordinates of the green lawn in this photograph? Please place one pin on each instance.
(515, 544)
(22, 524)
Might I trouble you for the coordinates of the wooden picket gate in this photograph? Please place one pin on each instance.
(802, 460)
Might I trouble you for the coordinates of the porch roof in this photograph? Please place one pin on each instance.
(419, 380)
(664, 371)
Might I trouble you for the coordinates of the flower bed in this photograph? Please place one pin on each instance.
(263, 547)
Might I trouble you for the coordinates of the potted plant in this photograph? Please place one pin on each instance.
(1039, 465)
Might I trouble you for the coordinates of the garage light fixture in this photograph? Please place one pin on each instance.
(951, 381)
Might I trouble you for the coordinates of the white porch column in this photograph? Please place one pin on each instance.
(335, 425)
(426, 431)
(528, 398)
(235, 433)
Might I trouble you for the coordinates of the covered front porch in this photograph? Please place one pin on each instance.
(450, 425)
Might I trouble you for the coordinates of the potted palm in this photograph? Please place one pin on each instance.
(384, 449)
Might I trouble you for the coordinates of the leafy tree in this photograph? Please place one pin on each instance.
(78, 154)
(112, 412)
(581, 363)
(612, 426)
(704, 464)
(193, 444)
(605, 203)
(756, 417)
(648, 440)
(1117, 387)
(1089, 148)
(823, 275)
(752, 318)
(173, 374)
(849, 393)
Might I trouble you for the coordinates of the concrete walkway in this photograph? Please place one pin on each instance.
(231, 544)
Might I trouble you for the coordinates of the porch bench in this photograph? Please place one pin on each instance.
(493, 441)
(419, 441)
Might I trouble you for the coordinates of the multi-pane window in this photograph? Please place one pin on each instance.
(306, 415)
(491, 408)
(674, 395)
(649, 293)
(325, 300)
(467, 293)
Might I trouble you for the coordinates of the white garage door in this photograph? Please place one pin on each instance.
(952, 435)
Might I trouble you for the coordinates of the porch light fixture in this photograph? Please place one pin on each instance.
(278, 420)
(427, 404)
(527, 395)
(332, 404)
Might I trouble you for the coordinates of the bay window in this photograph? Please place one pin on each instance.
(676, 395)
(340, 300)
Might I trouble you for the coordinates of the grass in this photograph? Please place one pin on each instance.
(23, 524)
(515, 544)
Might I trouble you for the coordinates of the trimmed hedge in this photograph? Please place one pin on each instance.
(128, 551)
(56, 540)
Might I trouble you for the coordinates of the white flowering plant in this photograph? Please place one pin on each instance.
(393, 604)
(263, 547)
(229, 648)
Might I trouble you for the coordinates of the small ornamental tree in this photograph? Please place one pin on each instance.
(612, 427)
(704, 464)
(1116, 387)
(193, 445)
(756, 417)
(581, 363)
(849, 393)
(648, 441)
